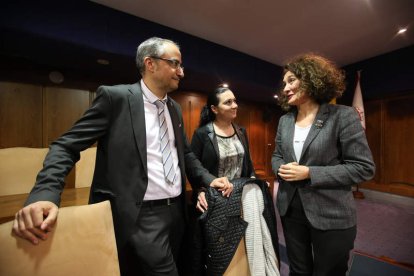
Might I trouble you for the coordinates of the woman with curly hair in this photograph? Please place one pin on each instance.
(321, 151)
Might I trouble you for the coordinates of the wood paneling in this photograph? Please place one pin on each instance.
(62, 107)
(257, 139)
(33, 116)
(243, 116)
(398, 142)
(261, 133)
(12, 203)
(390, 134)
(20, 115)
(374, 130)
(191, 104)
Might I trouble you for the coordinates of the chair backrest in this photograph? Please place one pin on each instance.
(19, 168)
(81, 243)
(85, 168)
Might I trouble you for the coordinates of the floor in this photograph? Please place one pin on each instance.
(385, 228)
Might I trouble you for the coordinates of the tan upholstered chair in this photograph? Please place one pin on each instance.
(85, 168)
(239, 265)
(81, 243)
(19, 168)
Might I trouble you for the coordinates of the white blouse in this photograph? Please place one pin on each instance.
(299, 139)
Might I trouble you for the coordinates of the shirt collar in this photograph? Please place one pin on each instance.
(148, 95)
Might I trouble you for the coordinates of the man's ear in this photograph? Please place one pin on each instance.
(149, 64)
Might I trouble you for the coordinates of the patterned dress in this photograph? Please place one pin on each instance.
(230, 164)
(231, 156)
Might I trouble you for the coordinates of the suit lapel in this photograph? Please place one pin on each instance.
(316, 127)
(240, 135)
(178, 134)
(213, 138)
(136, 107)
(177, 126)
(290, 133)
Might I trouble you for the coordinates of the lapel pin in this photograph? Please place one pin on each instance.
(319, 123)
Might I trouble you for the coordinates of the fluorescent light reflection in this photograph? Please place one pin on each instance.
(402, 30)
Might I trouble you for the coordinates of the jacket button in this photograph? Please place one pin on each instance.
(221, 239)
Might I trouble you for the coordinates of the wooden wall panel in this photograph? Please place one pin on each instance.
(243, 116)
(261, 133)
(20, 115)
(390, 132)
(257, 139)
(62, 107)
(34, 116)
(191, 104)
(374, 129)
(398, 143)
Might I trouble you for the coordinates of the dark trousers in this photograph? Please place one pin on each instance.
(154, 247)
(311, 251)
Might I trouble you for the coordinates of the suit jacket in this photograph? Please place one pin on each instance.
(337, 154)
(116, 120)
(205, 146)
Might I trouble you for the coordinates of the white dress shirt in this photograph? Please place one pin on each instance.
(158, 188)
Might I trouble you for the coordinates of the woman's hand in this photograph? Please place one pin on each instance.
(293, 172)
(202, 202)
(223, 185)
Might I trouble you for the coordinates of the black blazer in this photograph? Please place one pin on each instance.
(116, 120)
(205, 147)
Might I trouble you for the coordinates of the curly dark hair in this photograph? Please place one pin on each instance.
(318, 76)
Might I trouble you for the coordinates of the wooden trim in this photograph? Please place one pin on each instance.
(12, 203)
(393, 188)
(386, 259)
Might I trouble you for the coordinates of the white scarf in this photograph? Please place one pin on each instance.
(259, 248)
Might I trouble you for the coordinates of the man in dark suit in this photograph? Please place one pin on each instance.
(140, 165)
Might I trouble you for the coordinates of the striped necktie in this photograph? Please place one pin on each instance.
(167, 159)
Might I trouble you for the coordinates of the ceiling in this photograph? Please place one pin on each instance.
(346, 31)
(240, 42)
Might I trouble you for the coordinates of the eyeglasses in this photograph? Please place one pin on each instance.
(172, 62)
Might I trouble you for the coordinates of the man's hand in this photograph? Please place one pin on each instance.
(34, 221)
(223, 185)
(293, 172)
